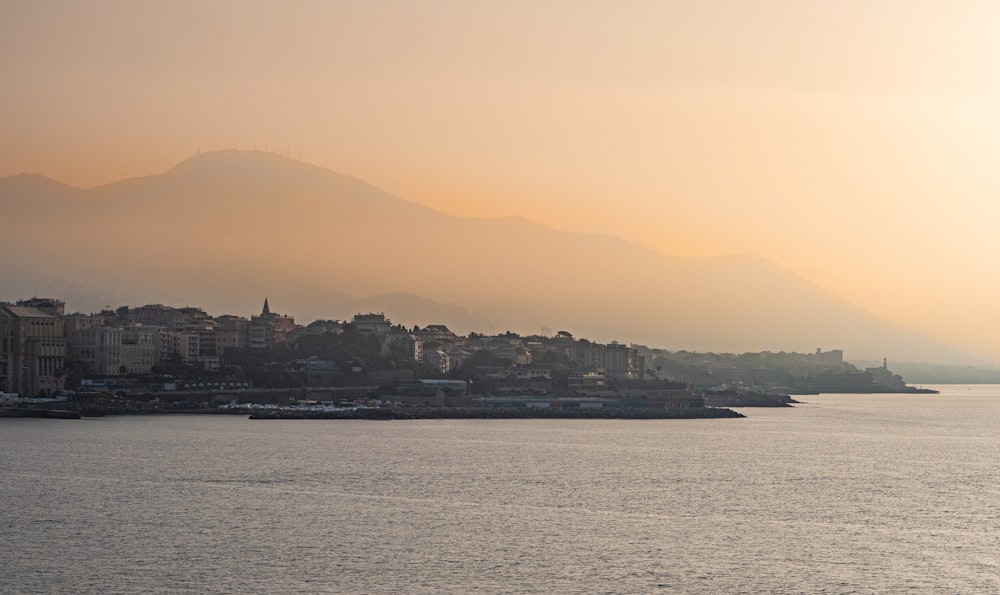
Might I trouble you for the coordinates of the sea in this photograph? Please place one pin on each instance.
(840, 494)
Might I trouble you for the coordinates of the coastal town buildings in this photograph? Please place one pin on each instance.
(42, 349)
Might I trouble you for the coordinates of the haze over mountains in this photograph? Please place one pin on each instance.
(223, 230)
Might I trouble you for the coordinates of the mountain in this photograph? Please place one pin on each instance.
(224, 229)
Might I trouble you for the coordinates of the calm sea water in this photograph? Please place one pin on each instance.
(844, 494)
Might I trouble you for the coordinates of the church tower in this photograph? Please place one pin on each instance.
(269, 329)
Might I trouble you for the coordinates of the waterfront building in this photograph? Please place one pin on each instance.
(32, 347)
(587, 382)
(431, 387)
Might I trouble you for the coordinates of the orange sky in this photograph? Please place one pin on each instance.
(853, 142)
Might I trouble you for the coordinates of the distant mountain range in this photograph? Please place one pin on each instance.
(223, 230)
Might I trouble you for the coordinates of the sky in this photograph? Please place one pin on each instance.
(852, 142)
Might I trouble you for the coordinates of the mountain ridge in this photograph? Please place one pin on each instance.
(220, 225)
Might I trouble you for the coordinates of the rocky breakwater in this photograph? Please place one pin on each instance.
(733, 398)
(37, 412)
(385, 413)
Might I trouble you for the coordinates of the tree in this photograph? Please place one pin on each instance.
(480, 359)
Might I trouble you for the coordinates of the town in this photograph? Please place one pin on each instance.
(157, 357)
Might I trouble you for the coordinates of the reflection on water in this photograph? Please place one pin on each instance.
(843, 493)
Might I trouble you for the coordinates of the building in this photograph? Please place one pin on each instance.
(884, 380)
(160, 315)
(323, 327)
(372, 323)
(77, 321)
(618, 362)
(231, 332)
(182, 346)
(32, 347)
(269, 329)
(115, 351)
(404, 343)
(317, 372)
(438, 334)
(438, 359)
(510, 347)
(432, 387)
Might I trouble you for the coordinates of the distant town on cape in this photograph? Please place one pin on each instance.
(156, 356)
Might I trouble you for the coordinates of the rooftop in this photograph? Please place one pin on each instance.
(25, 312)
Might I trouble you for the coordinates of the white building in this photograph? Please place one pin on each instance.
(115, 351)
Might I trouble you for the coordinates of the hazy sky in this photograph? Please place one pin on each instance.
(854, 142)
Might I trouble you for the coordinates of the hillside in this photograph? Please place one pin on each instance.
(224, 229)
